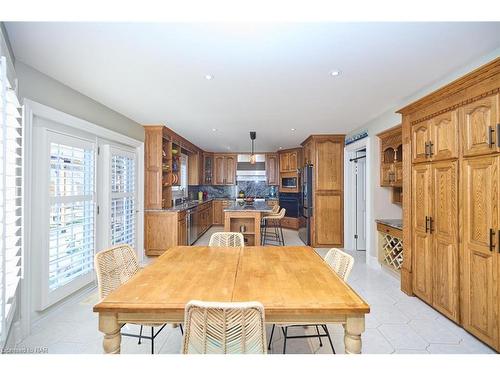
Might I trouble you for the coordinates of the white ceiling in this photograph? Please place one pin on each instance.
(268, 78)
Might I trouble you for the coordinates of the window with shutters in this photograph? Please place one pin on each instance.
(10, 198)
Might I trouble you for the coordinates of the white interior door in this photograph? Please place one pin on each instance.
(361, 204)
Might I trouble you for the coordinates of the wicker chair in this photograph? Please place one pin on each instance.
(224, 328)
(114, 267)
(341, 263)
(227, 239)
(273, 221)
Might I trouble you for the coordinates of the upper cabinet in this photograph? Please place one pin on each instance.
(224, 169)
(391, 157)
(480, 126)
(272, 169)
(289, 160)
(208, 169)
(436, 139)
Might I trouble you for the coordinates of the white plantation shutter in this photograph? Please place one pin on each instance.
(10, 198)
(72, 212)
(123, 203)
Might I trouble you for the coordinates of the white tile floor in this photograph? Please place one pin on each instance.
(397, 323)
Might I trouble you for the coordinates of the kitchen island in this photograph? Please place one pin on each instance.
(246, 219)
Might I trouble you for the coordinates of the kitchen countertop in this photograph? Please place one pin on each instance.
(256, 206)
(195, 203)
(394, 223)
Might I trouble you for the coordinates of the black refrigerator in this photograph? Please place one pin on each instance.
(307, 204)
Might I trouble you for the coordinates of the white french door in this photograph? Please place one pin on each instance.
(86, 201)
(118, 202)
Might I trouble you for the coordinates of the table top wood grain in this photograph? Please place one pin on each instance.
(292, 282)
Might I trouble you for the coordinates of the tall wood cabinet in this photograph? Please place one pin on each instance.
(272, 169)
(326, 153)
(451, 217)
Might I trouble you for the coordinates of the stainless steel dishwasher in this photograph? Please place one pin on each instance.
(192, 224)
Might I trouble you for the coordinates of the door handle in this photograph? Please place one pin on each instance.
(426, 224)
(490, 136)
(492, 234)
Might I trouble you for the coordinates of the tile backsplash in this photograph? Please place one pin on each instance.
(251, 188)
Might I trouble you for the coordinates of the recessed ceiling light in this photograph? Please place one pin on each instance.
(293, 129)
(281, 148)
(209, 76)
(214, 129)
(334, 73)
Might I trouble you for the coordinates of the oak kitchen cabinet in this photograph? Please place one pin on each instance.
(218, 210)
(289, 160)
(451, 218)
(391, 157)
(224, 169)
(326, 152)
(272, 169)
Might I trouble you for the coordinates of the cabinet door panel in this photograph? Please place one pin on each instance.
(421, 185)
(477, 119)
(480, 266)
(272, 169)
(444, 137)
(420, 136)
(284, 162)
(182, 233)
(292, 166)
(398, 174)
(386, 173)
(329, 165)
(217, 212)
(328, 219)
(230, 170)
(219, 174)
(445, 239)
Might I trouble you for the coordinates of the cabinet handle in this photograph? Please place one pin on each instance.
(492, 234)
(426, 224)
(431, 221)
(498, 241)
(490, 136)
(426, 149)
(430, 148)
(498, 135)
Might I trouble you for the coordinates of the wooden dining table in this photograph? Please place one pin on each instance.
(293, 283)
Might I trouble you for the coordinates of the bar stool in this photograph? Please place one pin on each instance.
(273, 222)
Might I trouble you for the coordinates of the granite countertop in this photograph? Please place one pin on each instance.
(256, 206)
(195, 203)
(394, 223)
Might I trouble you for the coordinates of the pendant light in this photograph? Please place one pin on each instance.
(253, 158)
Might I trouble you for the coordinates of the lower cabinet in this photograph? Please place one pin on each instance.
(218, 211)
(162, 230)
(481, 248)
(435, 236)
(328, 219)
(182, 232)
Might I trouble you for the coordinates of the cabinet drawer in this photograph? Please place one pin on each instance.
(389, 230)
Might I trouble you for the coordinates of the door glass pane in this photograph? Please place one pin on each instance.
(71, 221)
(123, 219)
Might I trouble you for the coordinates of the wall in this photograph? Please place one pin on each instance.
(380, 202)
(41, 88)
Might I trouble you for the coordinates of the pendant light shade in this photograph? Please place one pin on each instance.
(253, 158)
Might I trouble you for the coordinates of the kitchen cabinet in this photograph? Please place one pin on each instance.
(289, 160)
(218, 211)
(435, 227)
(391, 157)
(481, 126)
(272, 169)
(224, 169)
(451, 217)
(436, 139)
(326, 153)
(182, 239)
(481, 247)
(208, 168)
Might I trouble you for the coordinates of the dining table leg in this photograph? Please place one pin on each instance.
(108, 324)
(353, 328)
